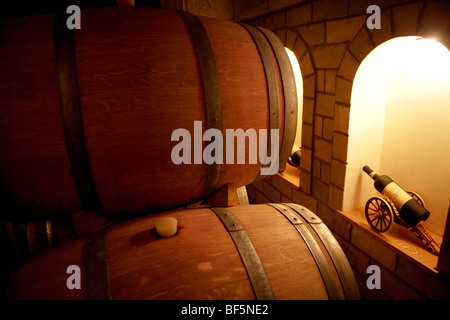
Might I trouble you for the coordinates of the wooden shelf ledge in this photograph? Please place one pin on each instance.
(291, 174)
(397, 238)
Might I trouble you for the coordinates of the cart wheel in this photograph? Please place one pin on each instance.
(379, 214)
(416, 197)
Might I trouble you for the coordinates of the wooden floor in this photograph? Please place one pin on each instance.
(397, 238)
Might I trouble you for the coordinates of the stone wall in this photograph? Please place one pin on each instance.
(330, 39)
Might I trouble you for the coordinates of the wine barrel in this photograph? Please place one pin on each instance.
(87, 115)
(266, 251)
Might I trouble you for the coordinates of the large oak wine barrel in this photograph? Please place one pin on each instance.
(87, 115)
(273, 251)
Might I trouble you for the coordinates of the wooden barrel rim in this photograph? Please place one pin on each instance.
(288, 84)
(290, 96)
(333, 248)
(97, 276)
(256, 274)
(272, 84)
(211, 89)
(316, 253)
(72, 117)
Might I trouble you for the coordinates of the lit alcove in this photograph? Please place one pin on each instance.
(299, 86)
(291, 173)
(400, 124)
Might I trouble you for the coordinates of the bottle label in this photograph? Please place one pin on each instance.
(396, 194)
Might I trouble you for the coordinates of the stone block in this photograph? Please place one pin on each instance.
(330, 81)
(395, 288)
(328, 128)
(258, 185)
(343, 91)
(323, 149)
(341, 118)
(358, 260)
(275, 5)
(285, 199)
(306, 67)
(325, 172)
(213, 8)
(270, 192)
(360, 6)
(308, 110)
(309, 86)
(313, 34)
(343, 30)
(291, 38)
(385, 33)
(374, 248)
(298, 16)
(316, 168)
(320, 190)
(320, 80)
(325, 104)
(307, 136)
(300, 197)
(318, 126)
(245, 10)
(261, 198)
(362, 45)
(336, 198)
(406, 19)
(305, 162)
(367, 294)
(329, 9)
(299, 48)
(349, 66)
(282, 185)
(340, 146)
(268, 179)
(328, 56)
(333, 222)
(425, 282)
(337, 177)
(281, 33)
(305, 181)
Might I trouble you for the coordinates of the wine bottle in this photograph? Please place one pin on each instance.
(294, 158)
(408, 208)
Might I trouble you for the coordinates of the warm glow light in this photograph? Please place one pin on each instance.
(299, 85)
(399, 123)
(427, 58)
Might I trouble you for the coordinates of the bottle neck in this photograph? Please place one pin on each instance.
(374, 175)
(370, 172)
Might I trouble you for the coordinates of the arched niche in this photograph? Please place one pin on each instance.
(400, 124)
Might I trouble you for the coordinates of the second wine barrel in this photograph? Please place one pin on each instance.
(246, 252)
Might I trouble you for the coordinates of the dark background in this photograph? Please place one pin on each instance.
(27, 8)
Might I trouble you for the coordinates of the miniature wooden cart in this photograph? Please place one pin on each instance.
(381, 212)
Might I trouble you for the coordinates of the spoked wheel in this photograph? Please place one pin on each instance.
(416, 197)
(379, 214)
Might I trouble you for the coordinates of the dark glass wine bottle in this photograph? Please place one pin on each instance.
(409, 209)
